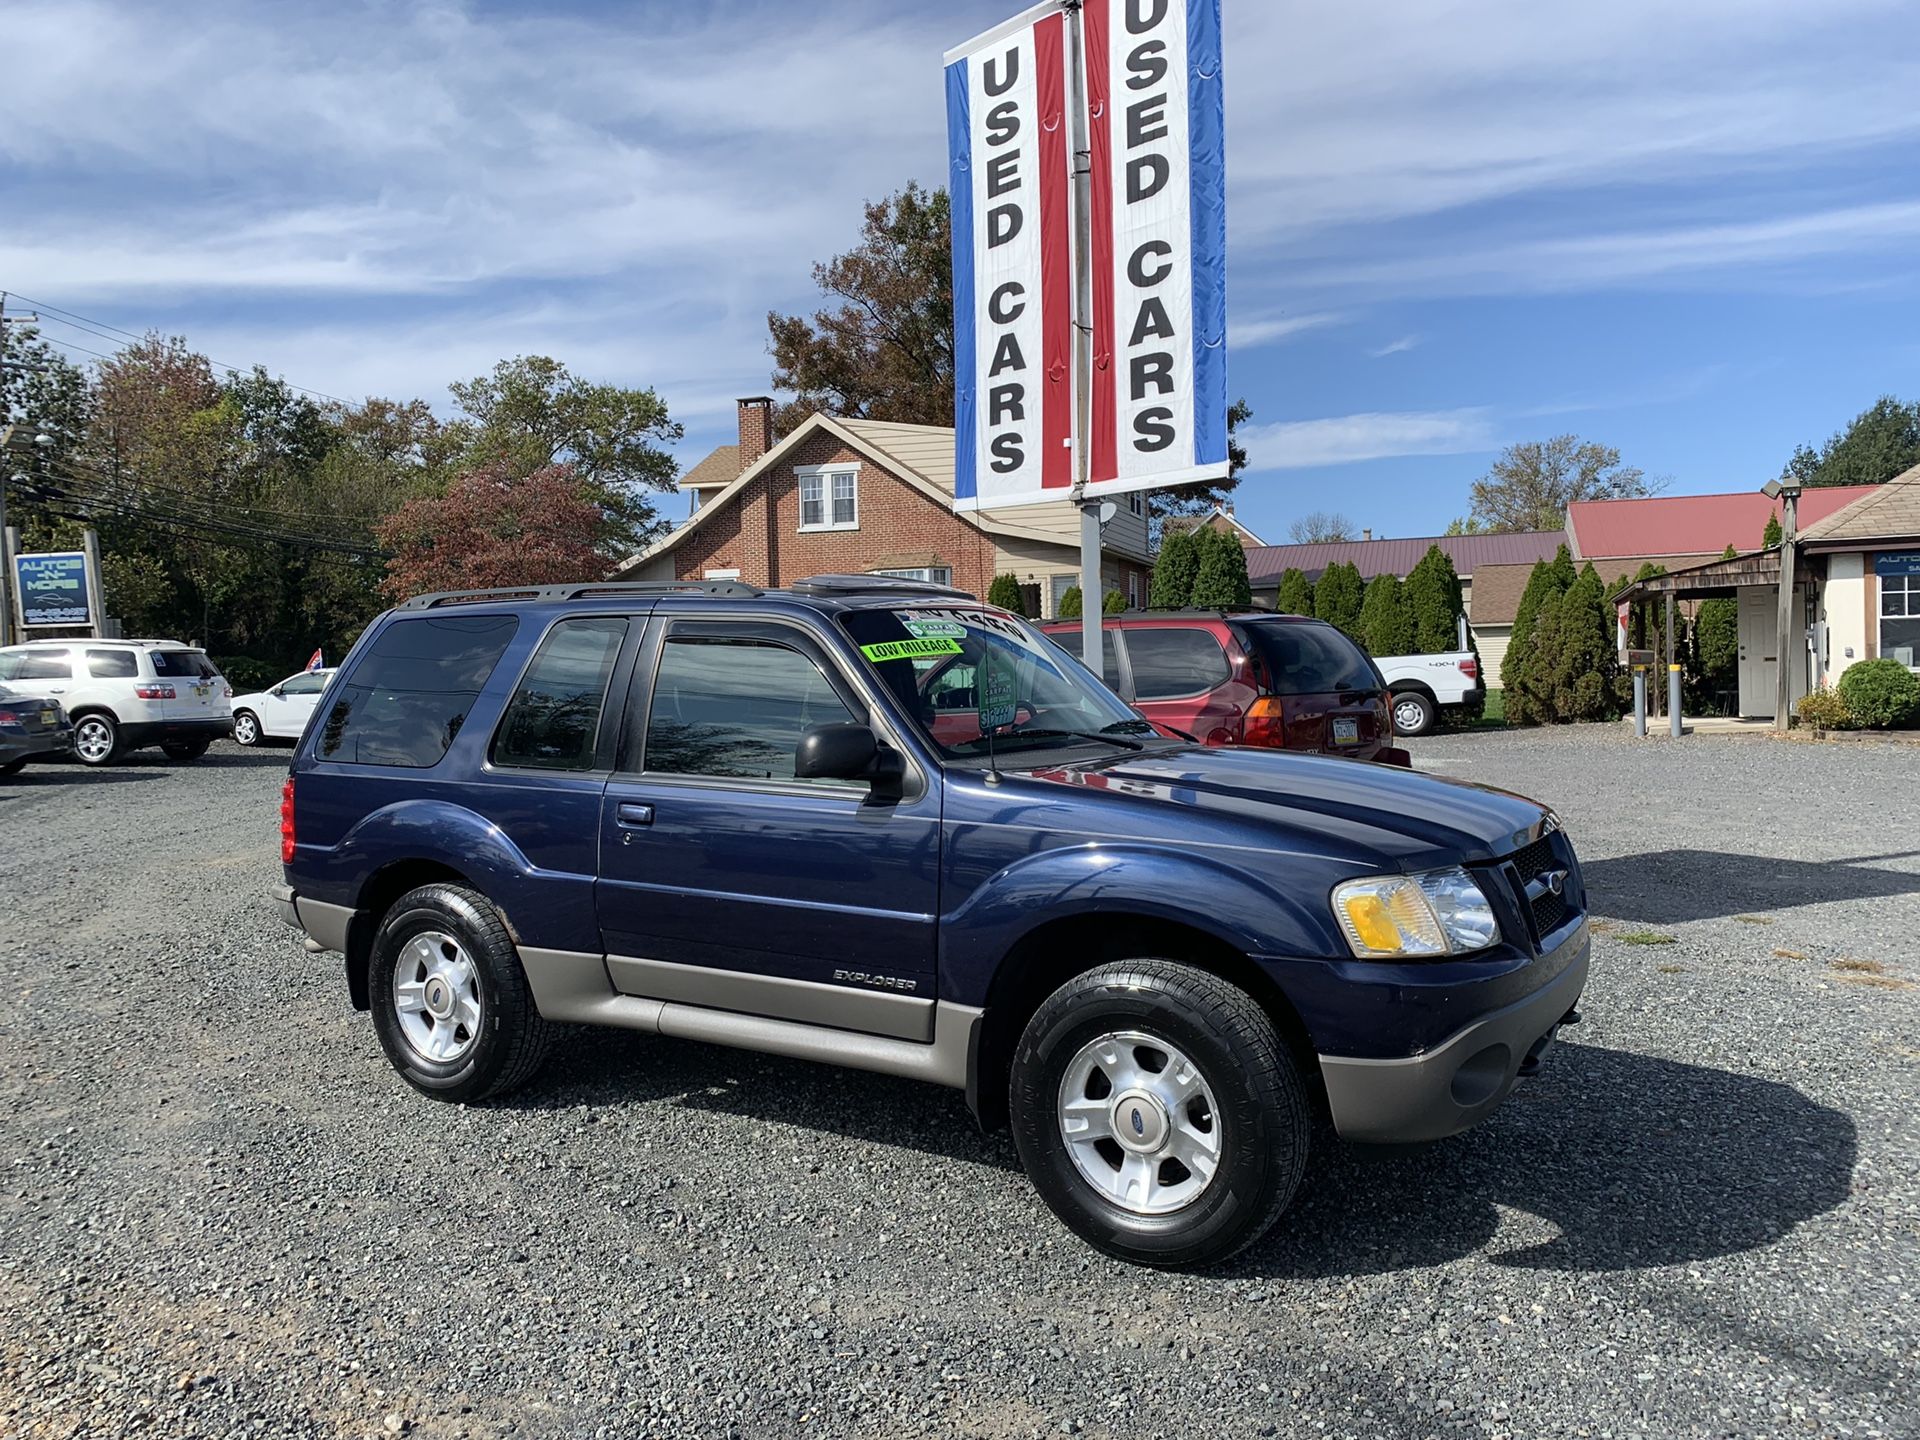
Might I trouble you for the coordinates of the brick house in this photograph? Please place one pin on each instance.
(869, 497)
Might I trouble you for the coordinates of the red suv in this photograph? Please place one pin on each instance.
(1228, 678)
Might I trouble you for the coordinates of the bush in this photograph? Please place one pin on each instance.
(1005, 592)
(1528, 695)
(1386, 623)
(246, 674)
(1573, 666)
(1881, 694)
(1824, 710)
(1434, 600)
(1114, 603)
(1296, 593)
(1338, 597)
(1222, 583)
(1069, 604)
(1174, 570)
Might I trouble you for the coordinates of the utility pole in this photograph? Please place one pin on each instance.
(1787, 646)
(6, 437)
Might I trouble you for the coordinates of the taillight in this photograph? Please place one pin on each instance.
(286, 822)
(1266, 723)
(1470, 667)
(7, 717)
(154, 692)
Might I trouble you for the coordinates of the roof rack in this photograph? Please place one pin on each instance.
(872, 585)
(541, 594)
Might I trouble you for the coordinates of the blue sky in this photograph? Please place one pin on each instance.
(1687, 231)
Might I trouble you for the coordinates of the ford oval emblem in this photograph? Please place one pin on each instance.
(1139, 1125)
(1556, 881)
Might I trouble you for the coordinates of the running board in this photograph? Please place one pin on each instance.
(575, 988)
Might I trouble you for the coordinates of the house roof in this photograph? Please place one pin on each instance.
(717, 470)
(1496, 593)
(1665, 525)
(1884, 512)
(921, 455)
(1266, 563)
(1217, 512)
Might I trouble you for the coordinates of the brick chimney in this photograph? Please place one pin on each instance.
(756, 428)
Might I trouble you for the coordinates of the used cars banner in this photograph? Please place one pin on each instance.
(1153, 130)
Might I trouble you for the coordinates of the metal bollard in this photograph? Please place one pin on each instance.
(1640, 701)
(1673, 700)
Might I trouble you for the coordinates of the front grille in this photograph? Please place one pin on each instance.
(1547, 910)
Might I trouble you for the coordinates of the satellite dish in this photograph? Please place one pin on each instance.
(1107, 511)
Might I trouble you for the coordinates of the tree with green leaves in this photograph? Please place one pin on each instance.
(1114, 603)
(1069, 607)
(1386, 620)
(1881, 442)
(1527, 702)
(1175, 569)
(1296, 593)
(1434, 600)
(1338, 595)
(1574, 667)
(532, 413)
(1530, 485)
(1005, 592)
(1716, 643)
(1771, 535)
(1221, 583)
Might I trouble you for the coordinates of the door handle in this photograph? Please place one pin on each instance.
(630, 814)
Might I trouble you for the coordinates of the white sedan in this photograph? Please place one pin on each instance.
(279, 713)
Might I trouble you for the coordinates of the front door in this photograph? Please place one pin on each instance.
(289, 705)
(727, 882)
(1759, 655)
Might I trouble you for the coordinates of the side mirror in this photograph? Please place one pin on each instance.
(277, 691)
(844, 752)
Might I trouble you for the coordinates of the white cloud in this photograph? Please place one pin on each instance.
(1344, 439)
(1257, 330)
(1394, 347)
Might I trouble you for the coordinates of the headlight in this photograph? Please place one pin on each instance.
(1442, 912)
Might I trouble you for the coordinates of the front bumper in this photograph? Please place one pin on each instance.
(325, 926)
(1459, 1082)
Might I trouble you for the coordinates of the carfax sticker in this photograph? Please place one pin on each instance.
(935, 629)
(909, 649)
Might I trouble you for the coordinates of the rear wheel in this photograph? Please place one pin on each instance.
(184, 750)
(1413, 713)
(451, 1002)
(96, 739)
(1158, 1113)
(246, 728)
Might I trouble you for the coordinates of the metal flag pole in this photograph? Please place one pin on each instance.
(1091, 597)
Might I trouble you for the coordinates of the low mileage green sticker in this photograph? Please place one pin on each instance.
(909, 649)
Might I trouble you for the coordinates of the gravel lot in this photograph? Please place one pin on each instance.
(222, 1214)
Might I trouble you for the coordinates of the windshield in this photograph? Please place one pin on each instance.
(1307, 658)
(973, 677)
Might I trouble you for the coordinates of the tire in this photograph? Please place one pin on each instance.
(246, 728)
(184, 750)
(488, 1047)
(1413, 713)
(96, 739)
(13, 767)
(1249, 1093)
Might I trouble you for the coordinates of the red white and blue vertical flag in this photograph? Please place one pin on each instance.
(1154, 127)
(314, 661)
(1011, 186)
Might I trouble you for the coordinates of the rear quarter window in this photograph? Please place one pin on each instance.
(1307, 658)
(1174, 660)
(409, 694)
(183, 665)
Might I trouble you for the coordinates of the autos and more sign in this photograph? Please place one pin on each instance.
(52, 588)
(1156, 251)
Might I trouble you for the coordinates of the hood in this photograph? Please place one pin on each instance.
(1372, 810)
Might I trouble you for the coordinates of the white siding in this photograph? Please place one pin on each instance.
(1491, 641)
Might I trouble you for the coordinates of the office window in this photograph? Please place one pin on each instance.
(829, 497)
(932, 574)
(1900, 618)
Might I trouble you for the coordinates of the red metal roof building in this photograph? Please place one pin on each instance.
(1266, 563)
(1680, 529)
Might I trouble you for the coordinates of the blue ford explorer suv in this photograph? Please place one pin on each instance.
(878, 823)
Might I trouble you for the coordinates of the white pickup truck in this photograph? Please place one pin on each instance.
(1420, 684)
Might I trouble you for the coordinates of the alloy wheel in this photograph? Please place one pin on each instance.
(436, 997)
(1140, 1122)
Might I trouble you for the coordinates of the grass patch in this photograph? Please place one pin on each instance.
(1644, 937)
(1754, 919)
(1862, 967)
(1494, 712)
(1604, 927)
(1673, 969)
(1789, 955)
(1877, 982)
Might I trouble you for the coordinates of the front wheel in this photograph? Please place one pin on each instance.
(451, 1003)
(1413, 713)
(1158, 1113)
(96, 740)
(246, 728)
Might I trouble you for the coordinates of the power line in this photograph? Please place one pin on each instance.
(82, 322)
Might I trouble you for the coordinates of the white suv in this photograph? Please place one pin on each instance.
(125, 694)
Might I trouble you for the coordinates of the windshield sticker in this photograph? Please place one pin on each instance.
(935, 629)
(999, 705)
(909, 649)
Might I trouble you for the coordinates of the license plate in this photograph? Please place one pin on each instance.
(1346, 731)
(49, 717)
(203, 690)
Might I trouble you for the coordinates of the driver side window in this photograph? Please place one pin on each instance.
(735, 707)
(303, 685)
